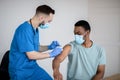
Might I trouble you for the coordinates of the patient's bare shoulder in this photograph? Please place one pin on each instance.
(64, 54)
(67, 47)
(66, 50)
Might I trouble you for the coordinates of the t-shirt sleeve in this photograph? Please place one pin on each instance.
(102, 57)
(24, 41)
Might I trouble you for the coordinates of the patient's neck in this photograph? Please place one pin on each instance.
(88, 43)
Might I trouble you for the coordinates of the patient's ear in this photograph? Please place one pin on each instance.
(88, 32)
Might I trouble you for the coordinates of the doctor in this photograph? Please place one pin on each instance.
(25, 49)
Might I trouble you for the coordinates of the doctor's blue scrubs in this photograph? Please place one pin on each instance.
(25, 39)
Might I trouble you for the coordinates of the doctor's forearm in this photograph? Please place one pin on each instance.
(37, 55)
(43, 48)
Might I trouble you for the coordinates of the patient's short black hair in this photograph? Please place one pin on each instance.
(84, 24)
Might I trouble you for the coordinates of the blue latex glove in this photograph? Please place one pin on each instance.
(53, 45)
(56, 52)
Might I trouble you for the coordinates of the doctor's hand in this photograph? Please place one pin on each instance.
(55, 52)
(53, 45)
(57, 76)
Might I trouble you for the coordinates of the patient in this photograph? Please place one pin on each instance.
(86, 59)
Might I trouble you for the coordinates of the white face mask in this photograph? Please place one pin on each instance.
(79, 39)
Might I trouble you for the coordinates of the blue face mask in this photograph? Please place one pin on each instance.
(44, 26)
(79, 39)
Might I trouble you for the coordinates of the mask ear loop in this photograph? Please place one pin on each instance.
(45, 21)
(84, 35)
(41, 18)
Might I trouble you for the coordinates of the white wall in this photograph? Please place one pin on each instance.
(104, 16)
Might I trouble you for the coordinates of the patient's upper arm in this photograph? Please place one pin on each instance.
(64, 54)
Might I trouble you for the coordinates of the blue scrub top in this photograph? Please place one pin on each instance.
(25, 39)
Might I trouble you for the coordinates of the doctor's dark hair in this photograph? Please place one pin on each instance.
(44, 9)
(84, 24)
